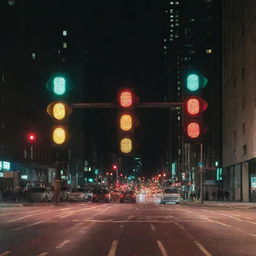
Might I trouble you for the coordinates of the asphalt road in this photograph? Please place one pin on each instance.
(145, 229)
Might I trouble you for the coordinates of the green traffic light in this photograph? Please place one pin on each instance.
(59, 85)
(193, 82)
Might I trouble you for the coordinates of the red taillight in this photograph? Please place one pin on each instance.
(94, 195)
(121, 195)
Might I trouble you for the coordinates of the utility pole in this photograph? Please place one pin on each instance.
(201, 174)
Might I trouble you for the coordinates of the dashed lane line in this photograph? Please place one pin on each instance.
(5, 253)
(112, 251)
(161, 248)
(152, 227)
(62, 244)
(202, 248)
(30, 225)
(43, 254)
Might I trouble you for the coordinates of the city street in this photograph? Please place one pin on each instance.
(143, 229)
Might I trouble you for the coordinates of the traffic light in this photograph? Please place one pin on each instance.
(31, 137)
(193, 107)
(59, 110)
(126, 119)
(59, 85)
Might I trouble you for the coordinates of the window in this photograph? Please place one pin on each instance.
(64, 32)
(208, 51)
(33, 56)
(65, 45)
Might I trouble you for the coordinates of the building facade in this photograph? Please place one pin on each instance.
(239, 99)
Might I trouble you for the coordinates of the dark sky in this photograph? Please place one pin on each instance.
(126, 48)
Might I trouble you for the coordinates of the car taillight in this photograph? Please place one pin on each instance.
(121, 195)
(94, 195)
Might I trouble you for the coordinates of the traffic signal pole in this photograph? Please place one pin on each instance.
(201, 174)
(57, 184)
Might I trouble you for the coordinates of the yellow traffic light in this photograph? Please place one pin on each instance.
(126, 122)
(58, 110)
(126, 145)
(59, 135)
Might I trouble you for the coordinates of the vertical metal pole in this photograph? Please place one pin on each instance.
(57, 184)
(201, 174)
(116, 177)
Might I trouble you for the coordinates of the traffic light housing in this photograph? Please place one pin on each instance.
(59, 110)
(193, 107)
(127, 121)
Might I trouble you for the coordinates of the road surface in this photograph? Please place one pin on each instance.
(146, 229)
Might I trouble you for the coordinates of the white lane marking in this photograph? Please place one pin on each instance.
(64, 209)
(130, 217)
(202, 248)
(20, 218)
(64, 216)
(11, 213)
(43, 254)
(30, 225)
(112, 251)
(152, 227)
(62, 244)
(223, 224)
(5, 253)
(161, 247)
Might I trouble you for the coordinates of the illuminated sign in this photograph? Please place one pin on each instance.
(5, 166)
(24, 177)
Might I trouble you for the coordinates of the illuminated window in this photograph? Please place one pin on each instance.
(64, 33)
(65, 45)
(208, 51)
(33, 56)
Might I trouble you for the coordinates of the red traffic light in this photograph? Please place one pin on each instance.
(194, 106)
(126, 98)
(193, 130)
(114, 167)
(31, 137)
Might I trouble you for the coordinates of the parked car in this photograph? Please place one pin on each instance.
(128, 196)
(101, 195)
(171, 195)
(115, 195)
(38, 194)
(76, 194)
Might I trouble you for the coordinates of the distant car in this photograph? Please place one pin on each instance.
(115, 195)
(171, 195)
(76, 194)
(101, 195)
(128, 196)
(38, 194)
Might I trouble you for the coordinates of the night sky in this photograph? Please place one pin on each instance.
(126, 49)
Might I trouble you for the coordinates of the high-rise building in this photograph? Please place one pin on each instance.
(193, 43)
(38, 39)
(239, 100)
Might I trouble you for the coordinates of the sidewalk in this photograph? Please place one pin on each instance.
(225, 204)
(26, 203)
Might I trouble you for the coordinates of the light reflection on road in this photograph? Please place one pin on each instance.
(148, 198)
